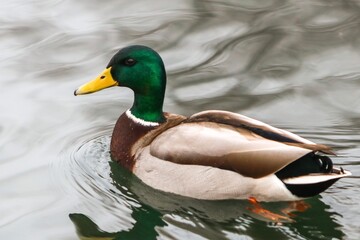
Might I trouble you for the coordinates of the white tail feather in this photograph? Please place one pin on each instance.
(316, 178)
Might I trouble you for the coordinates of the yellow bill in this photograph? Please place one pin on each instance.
(104, 80)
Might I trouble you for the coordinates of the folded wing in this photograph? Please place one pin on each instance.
(227, 145)
(260, 128)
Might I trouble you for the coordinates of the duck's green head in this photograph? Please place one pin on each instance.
(141, 69)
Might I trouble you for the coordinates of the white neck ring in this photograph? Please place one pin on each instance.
(141, 121)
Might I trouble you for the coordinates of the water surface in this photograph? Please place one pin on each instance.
(292, 64)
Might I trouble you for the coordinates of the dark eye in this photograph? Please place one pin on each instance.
(129, 62)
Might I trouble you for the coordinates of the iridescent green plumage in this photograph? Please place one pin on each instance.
(146, 77)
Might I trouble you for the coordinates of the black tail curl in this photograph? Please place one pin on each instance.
(325, 163)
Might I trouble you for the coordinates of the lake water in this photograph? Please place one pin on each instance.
(292, 64)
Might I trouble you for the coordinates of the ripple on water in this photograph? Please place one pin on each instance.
(85, 165)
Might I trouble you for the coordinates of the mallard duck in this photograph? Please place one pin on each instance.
(211, 154)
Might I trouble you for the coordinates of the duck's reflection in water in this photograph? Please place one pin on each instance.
(157, 212)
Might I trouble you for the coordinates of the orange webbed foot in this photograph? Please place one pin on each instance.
(259, 210)
(297, 206)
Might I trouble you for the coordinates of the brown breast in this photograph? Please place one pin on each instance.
(128, 136)
(126, 133)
